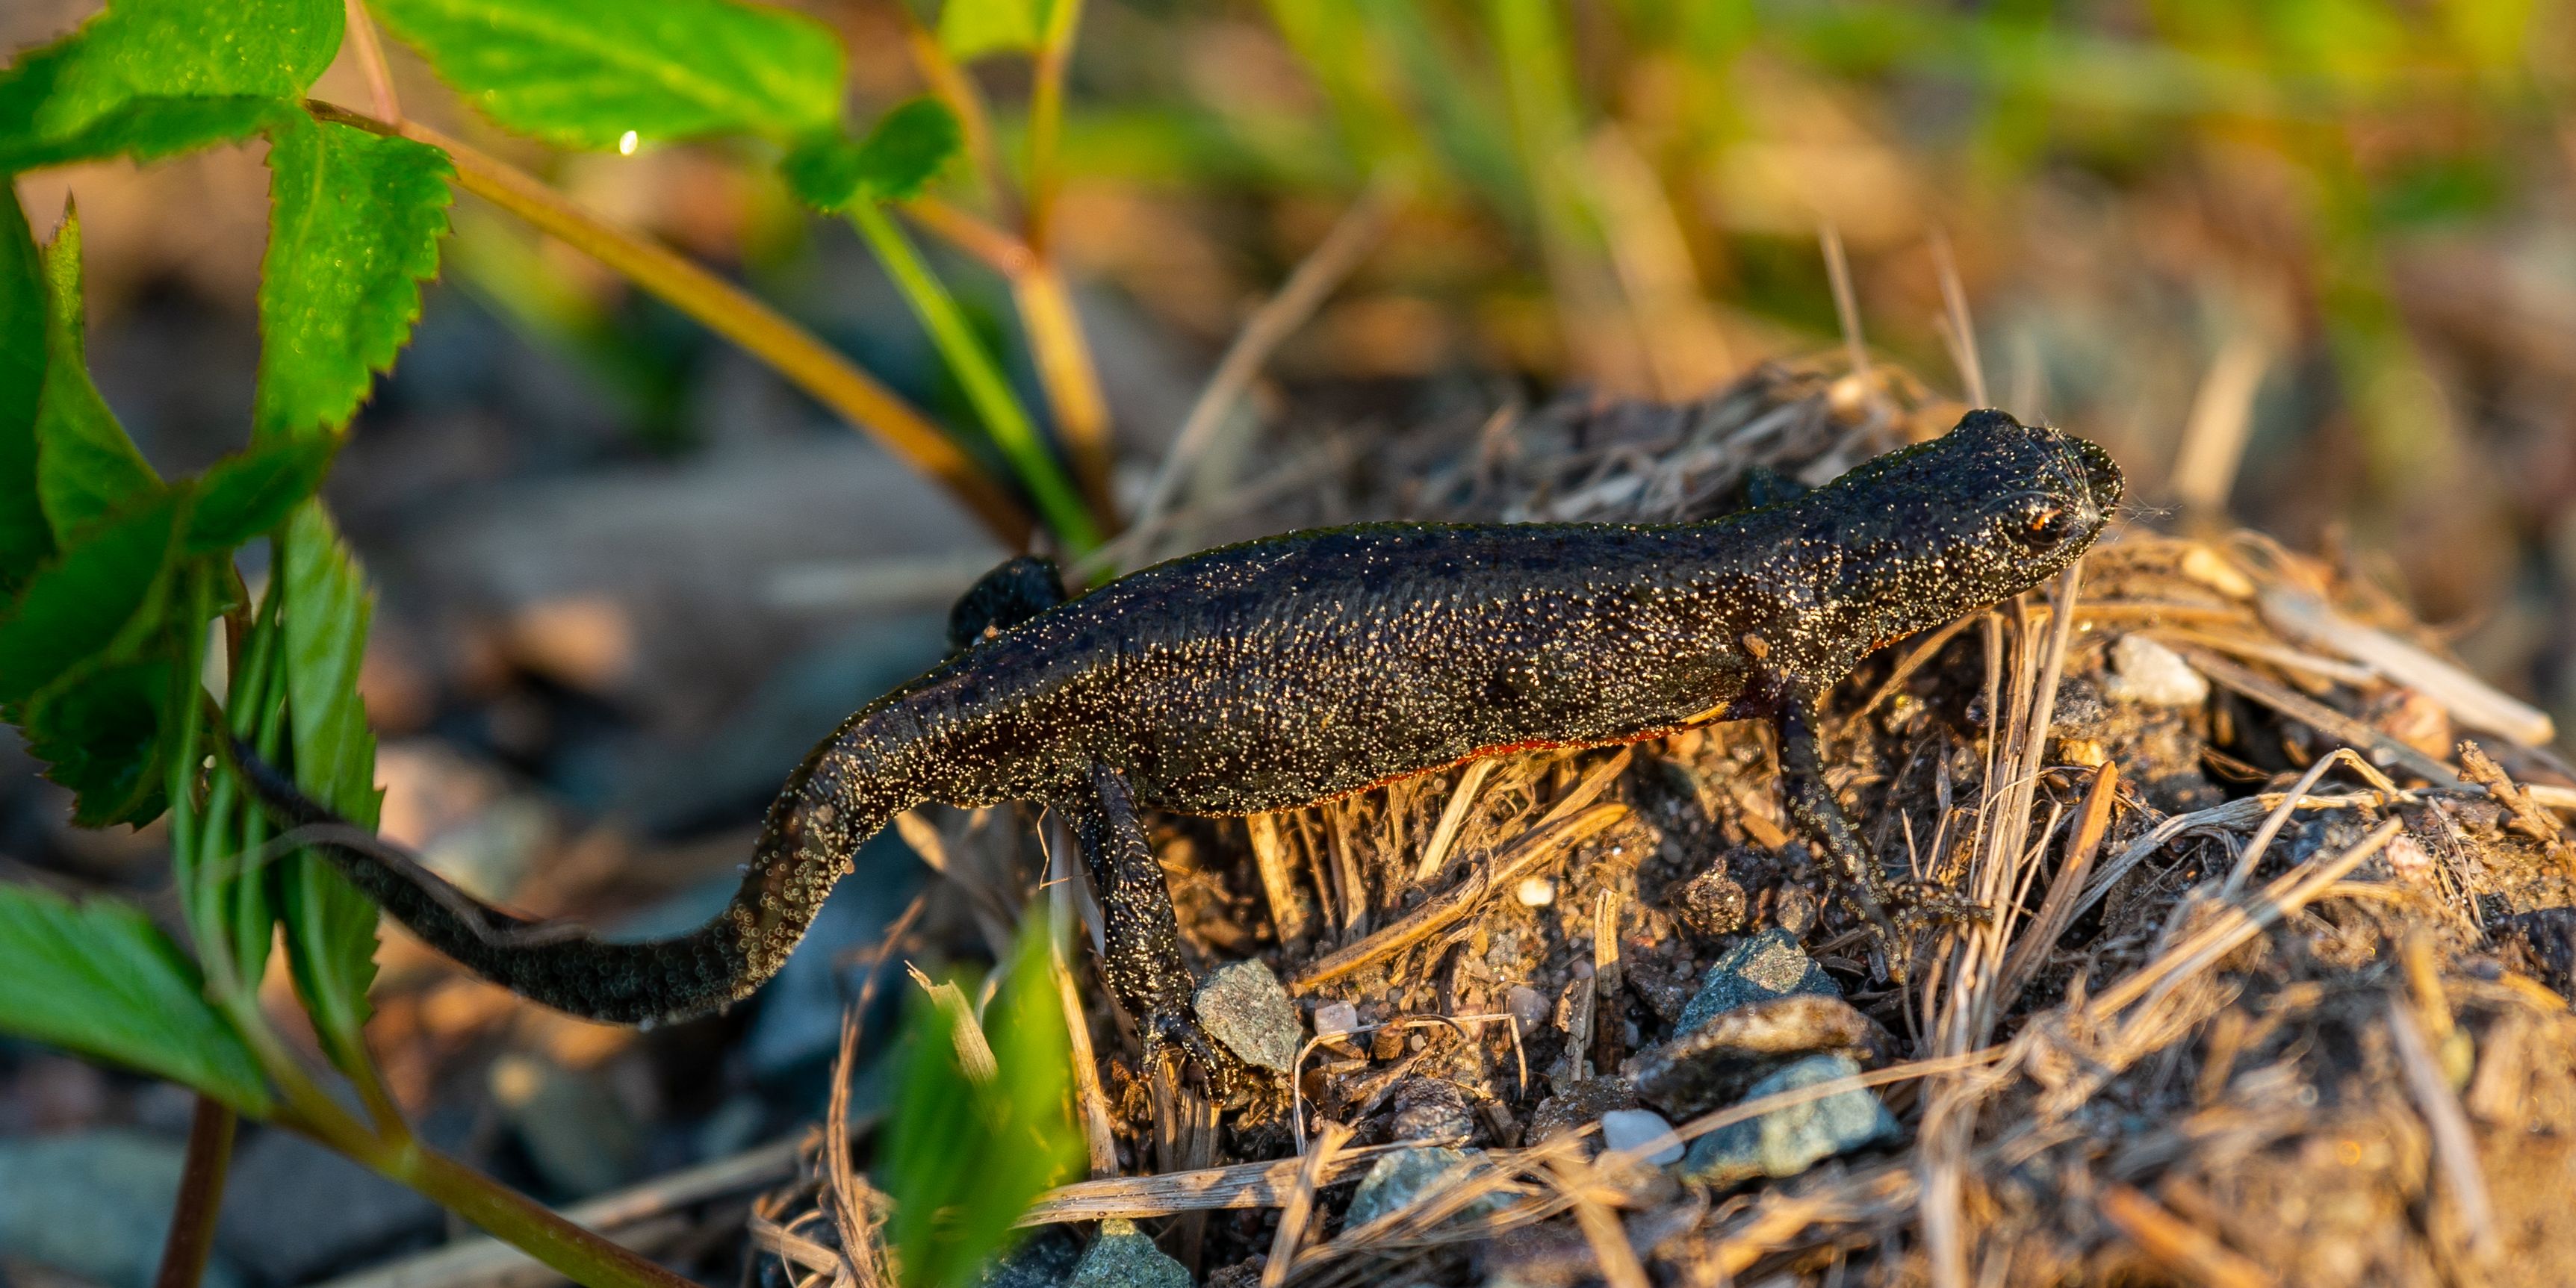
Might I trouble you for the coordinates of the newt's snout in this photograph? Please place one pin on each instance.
(2103, 481)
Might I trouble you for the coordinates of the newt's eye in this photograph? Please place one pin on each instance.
(2045, 524)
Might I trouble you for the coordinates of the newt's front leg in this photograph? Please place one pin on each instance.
(1853, 870)
(1140, 935)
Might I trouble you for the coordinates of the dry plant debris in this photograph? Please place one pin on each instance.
(2277, 992)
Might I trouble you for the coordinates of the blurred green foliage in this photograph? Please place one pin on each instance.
(982, 1120)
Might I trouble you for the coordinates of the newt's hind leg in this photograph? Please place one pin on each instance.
(1854, 871)
(1011, 594)
(1141, 937)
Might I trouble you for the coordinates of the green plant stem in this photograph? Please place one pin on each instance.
(581, 1255)
(1056, 341)
(248, 702)
(982, 378)
(201, 1195)
(727, 310)
(200, 892)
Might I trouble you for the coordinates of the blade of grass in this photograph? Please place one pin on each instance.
(1046, 121)
(1069, 377)
(986, 387)
(1056, 340)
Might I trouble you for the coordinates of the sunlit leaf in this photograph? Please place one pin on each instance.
(970, 29)
(99, 978)
(583, 73)
(354, 223)
(145, 129)
(140, 49)
(904, 151)
(331, 928)
(86, 467)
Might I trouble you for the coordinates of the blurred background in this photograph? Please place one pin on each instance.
(2308, 267)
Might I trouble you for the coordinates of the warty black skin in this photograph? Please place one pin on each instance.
(1281, 672)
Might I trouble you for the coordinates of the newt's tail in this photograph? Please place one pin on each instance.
(832, 804)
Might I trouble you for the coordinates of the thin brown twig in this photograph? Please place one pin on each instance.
(2320, 717)
(1453, 816)
(2057, 909)
(1314, 278)
(2455, 1146)
(1301, 1202)
(2481, 768)
(1846, 301)
(849, 1190)
(2175, 1244)
(201, 1195)
(1600, 1226)
(1957, 328)
(2254, 849)
(999, 250)
(1547, 842)
(1212, 1189)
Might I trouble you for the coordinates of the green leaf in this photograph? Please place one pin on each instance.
(169, 49)
(902, 153)
(970, 29)
(354, 225)
(99, 733)
(252, 491)
(86, 467)
(330, 927)
(99, 978)
(584, 73)
(145, 129)
(94, 595)
(964, 1158)
(25, 538)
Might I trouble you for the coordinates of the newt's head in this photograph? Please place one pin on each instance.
(1984, 512)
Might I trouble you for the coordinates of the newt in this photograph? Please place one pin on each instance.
(1290, 670)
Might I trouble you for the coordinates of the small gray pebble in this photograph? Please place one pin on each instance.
(1399, 1179)
(1244, 1007)
(1122, 1257)
(1764, 966)
(1788, 1141)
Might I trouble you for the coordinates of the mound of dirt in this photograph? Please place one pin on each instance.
(2277, 991)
